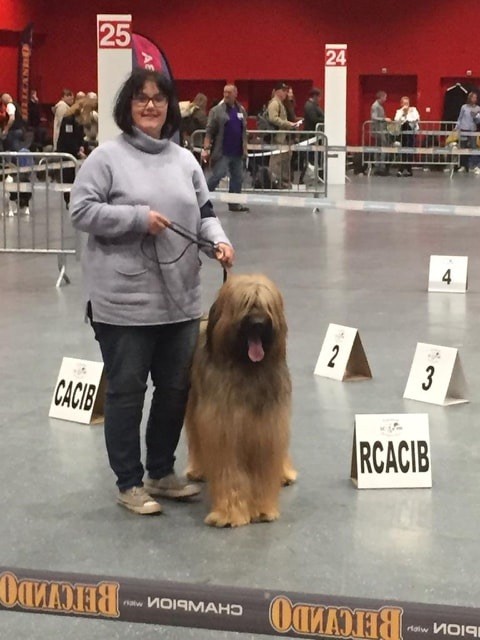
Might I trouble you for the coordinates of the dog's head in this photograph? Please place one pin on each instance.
(247, 322)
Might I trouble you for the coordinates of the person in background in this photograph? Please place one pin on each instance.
(13, 135)
(409, 119)
(143, 281)
(59, 111)
(312, 112)
(290, 106)
(195, 119)
(279, 164)
(225, 143)
(312, 116)
(89, 119)
(379, 131)
(71, 140)
(468, 121)
(13, 132)
(80, 95)
(36, 123)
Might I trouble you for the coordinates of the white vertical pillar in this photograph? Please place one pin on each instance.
(114, 63)
(336, 108)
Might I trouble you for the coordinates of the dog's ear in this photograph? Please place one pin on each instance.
(213, 318)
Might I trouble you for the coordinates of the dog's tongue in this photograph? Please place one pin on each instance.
(255, 349)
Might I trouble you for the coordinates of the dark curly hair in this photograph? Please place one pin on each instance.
(122, 111)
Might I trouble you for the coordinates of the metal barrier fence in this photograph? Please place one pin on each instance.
(433, 145)
(280, 160)
(35, 191)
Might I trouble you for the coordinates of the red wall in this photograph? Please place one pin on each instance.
(14, 17)
(258, 39)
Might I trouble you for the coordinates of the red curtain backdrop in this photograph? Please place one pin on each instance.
(258, 40)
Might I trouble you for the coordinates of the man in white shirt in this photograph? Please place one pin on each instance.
(59, 110)
(408, 117)
(13, 132)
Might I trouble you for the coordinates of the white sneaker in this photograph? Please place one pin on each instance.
(462, 170)
(138, 500)
(172, 487)
(26, 211)
(12, 209)
(476, 171)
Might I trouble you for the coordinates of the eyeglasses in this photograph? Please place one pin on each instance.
(158, 101)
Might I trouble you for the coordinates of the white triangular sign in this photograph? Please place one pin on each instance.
(342, 356)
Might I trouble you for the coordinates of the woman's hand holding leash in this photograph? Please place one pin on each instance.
(225, 254)
(157, 223)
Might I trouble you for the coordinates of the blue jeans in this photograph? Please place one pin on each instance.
(233, 165)
(15, 140)
(469, 142)
(130, 354)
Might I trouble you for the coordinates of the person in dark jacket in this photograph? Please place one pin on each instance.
(290, 105)
(225, 143)
(312, 112)
(71, 140)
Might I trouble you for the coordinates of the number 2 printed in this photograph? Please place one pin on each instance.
(331, 362)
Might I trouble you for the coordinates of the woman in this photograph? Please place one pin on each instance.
(467, 122)
(196, 119)
(71, 140)
(290, 105)
(408, 119)
(143, 280)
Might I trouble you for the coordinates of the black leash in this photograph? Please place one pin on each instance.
(182, 231)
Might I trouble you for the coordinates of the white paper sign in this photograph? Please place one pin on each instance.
(436, 376)
(79, 392)
(342, 356)
(448, 273)
(391, 451)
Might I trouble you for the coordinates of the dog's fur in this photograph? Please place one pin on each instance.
(238, 414)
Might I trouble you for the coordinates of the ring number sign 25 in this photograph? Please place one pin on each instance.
(114, 35)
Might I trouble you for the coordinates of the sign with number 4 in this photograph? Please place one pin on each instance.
(436, 376)
(448, 273)
(342, 356)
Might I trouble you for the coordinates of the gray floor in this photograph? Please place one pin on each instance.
(367, 270)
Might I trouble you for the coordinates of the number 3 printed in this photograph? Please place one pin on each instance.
(430, 371)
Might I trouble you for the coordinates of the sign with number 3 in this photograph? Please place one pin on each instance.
(436, 376)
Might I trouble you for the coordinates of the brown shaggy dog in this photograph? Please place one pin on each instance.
(238, 414)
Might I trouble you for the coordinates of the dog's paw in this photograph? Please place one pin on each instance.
(195, 475)
(268, 516)
(217, 519)
(289, 477)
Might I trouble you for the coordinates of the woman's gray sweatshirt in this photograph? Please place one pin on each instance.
(116, 187)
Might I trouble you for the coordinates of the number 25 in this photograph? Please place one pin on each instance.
(114, 34)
